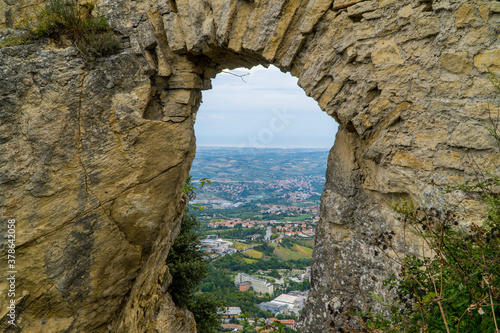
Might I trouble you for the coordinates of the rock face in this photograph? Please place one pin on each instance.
(93, 157)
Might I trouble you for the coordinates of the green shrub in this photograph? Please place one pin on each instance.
(91, 35)
(13, 41)
(186, 263)
(188, 268)
(205, 309)
(454, 284)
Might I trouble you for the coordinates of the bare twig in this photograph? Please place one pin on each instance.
(238, 75)
(491, 301)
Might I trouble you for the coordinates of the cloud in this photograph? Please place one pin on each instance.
(235, 108)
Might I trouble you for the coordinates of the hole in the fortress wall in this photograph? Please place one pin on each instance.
(265, 109)
(264, 145)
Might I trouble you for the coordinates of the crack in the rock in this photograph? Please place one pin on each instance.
(101, 204)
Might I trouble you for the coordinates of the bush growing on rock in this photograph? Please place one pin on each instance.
(91, 35)
(188, 268)
(454, 283)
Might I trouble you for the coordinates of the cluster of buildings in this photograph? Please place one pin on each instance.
(234, 189)
(234, 312)
(216, 245)
(245, 282)
(234, 222)
(276, 209)
(295, 190)
(296, 229)
(290, 323)
(283, 304)
(286, 303)
(230, 312)
(290, 228)
(219, 203)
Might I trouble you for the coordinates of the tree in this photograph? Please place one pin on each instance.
(274, 273)
(205, 309)
(188, 268)
(186, 263)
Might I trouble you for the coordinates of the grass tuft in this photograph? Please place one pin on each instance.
(91, 35)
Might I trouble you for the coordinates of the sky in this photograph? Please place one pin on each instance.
(269, 110)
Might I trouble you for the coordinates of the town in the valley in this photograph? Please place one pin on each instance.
(258, 224)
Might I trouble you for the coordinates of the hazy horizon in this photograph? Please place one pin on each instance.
(239, 147)
(269, 110)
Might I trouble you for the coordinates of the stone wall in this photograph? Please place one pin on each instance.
(94, 157)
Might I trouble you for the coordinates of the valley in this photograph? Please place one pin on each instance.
(258, 218)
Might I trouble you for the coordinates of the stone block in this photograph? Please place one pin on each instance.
(329, 94)
(430, 139)
(495, 6)
(452, 160)
(427, 26)
(315, 9)
(489, 59)
(182, 96)
(224, 20)
(484, 11)
(262, 24)
(339, 4)
(177, 110)
(410, 160)
(239, 27)
(286, 18)
(386, 52)
(183, 80)
(383, 3)
(465, 15)
(173, 29)
(146, 36)
(361, 8)
(379, 105)
(292, 51)
(474, 136)
(478, 36)
(406, 11)
(457, 63)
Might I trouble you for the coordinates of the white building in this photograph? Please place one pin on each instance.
(258, 285)
(215, 245)
(294, 303)
(230, 312)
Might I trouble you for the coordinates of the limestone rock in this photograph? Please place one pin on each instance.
(457, 63)
(386, 52)
(93, 158)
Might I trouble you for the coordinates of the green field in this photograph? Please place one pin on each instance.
(293, 253)
(249, 261)
(305, 251)
(239, 246)
(253, 254)
(306, 242)
(302, 217)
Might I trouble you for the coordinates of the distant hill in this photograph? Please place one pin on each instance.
(251, 164)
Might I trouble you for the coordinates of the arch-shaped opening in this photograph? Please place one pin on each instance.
(264, 145)
(261, 108)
